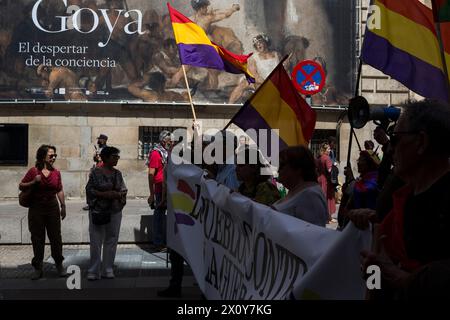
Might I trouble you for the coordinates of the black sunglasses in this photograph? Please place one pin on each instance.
(53, 156)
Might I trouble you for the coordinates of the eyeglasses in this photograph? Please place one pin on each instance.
(53, 156)
(115, 156)
(395, 136)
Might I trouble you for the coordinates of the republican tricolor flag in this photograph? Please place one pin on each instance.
(277, 105)
(197, 50)
(406, 47)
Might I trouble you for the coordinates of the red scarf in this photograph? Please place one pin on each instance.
(392, 227)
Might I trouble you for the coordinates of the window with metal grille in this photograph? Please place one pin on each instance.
(148, 138)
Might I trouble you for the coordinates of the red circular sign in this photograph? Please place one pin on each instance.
(308, 77)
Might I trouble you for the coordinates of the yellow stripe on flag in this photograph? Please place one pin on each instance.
(190, 33)
(408, 36)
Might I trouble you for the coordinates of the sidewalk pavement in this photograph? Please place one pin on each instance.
(135, 227)
(136, 223)
(140, 273)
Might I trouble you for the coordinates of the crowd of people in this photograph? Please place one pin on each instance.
(403, 195)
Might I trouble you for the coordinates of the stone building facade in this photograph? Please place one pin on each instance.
(73, 129)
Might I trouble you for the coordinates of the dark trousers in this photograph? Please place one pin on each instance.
(176, 269)
(42, 217)
(159, 222)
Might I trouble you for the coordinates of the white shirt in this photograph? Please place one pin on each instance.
(308, 205)
(266, 66)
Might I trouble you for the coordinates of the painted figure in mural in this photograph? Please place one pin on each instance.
(156, 81)
(329, 95)
(60, 78)
(205, 18)
(119, 45)
(260, 65)
(166, 60)
(295, 47)
(17, 75)
(144, 46)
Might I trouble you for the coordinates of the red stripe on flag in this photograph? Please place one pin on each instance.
(241, 58)
(176, 16)
(445, 35)
(413, 10)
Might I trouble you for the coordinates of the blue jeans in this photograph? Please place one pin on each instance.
(159, 222)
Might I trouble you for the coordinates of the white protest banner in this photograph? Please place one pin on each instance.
(239, 249)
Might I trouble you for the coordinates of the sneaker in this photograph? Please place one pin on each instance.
(86, 208)
(61, 270)
(170, 292)
(108, 275)
(37, 274)
(92, 277)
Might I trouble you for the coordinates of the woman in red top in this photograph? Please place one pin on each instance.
(44, 212)
(324, 164)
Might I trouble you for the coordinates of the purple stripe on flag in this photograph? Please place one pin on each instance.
(249, 118)
(200, 55)
(182, 218)
(417, 75)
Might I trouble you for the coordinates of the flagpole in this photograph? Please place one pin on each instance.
(444, 63)
(257, 90)
(352, 131)
(189, 93)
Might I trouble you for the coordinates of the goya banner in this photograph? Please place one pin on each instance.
(241, 250)
(125, 51)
